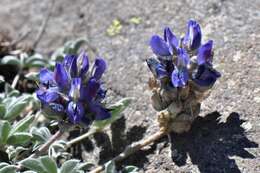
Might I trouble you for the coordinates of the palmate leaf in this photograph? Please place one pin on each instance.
(116, 110)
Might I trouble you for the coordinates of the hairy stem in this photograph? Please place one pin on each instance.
(15, 81)
(46, 146)
(80, 138)
(131, 149)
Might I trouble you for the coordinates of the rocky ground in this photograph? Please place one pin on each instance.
(226, 138)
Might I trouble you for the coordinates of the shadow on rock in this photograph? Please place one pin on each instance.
(121, 137)
(210, 143)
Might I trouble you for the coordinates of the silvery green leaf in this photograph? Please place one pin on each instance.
(8, 169)
(110, 167)
(33, 164)
(8, 100)
(23, 125)
(116, 110)
(130, 169)
(72, 47)
(60, 144)
(34, 58)
(48, 164)
(86, 165)
(13, 93)
(37, 63)
(3, 164)
(70, 166)
(16, 152)
(2, 79)
(9, 91)
(19, 138)
(2, 111)
(58, 55)
(41, 134)
(11, 60)
(32, 76)
(16, 107)
(5, 128)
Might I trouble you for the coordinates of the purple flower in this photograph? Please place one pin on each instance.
(157, 68)
(99, 68)
(46, 77)
(75, 111)
(61, 76)
(206, 75)
(179, 77)
(82, 64)
(74, 89)
(47, 96)
(164, 47)
(192, 38)
(183, 58)
(205, 54)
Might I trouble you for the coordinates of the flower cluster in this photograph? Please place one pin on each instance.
(184, 74)
(175, 58)
(74, 90)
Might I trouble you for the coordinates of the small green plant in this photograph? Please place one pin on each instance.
(114, 28)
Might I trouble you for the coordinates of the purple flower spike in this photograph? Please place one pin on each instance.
(60, 75)
(69, 93)
(82, 64)
(179, 77)
(160, 47)
(171, 39)
(193, 35)
(205, 54)
(206, 75)
(75, 112)
(75, 87)
(99, 68)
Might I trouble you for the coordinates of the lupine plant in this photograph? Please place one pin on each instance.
(71, 94)
(183, 75)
